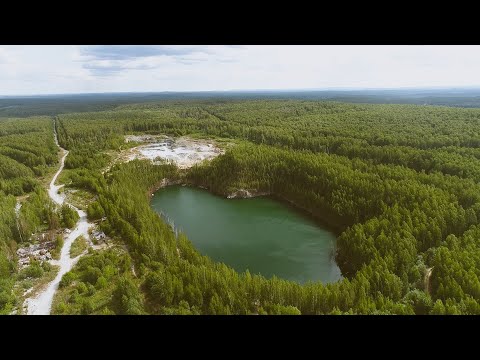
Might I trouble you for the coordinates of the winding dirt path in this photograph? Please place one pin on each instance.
(42, 303)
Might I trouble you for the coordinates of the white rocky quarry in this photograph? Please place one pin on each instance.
(184, 152)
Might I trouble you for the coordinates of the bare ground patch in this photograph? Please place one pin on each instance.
(183, 152)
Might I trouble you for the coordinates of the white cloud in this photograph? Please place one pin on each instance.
(58, 69)
(107, 60)
(4, 56)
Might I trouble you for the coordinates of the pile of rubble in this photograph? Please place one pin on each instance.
(145, 138)
(39, 252)
(47, 236)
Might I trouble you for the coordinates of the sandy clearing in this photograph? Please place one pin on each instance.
(184, 152)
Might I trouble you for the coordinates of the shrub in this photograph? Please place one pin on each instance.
(66, 279)
(82, 288)
(34, 270)
(101, 282)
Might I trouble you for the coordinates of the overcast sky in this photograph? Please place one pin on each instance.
(26, 70)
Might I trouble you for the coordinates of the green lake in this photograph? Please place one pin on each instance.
(260, 234)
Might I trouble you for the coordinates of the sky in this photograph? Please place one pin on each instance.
(58, 69)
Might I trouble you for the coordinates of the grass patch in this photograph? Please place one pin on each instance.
(55, 252)
(79, 198)
(220, 142)
(48, 273)
(79, 245)
(50, 172)
(64, 177)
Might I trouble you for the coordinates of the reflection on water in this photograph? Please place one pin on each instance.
(259, 234)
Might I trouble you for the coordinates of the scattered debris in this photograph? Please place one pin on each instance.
(144, 138)
(40, 252)
(245, 194)
(99, 235)
(49, 235)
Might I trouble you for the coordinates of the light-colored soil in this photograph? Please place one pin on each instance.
(184, 152)
(37, 285)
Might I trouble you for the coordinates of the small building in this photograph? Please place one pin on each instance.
(99, 235)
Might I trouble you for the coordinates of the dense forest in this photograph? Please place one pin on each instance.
(51, 105)
(399, 182)
(28, 155)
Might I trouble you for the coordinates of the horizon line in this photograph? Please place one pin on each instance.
(469, 87)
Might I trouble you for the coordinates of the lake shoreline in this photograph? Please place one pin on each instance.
(333, 225)
(258, 233)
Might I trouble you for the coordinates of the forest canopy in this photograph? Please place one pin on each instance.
(27, 154)
(400, 182)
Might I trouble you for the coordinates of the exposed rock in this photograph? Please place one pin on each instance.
(38, 252)
(245, 194)
(184, 152)
(21, 252)
(165, 182)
